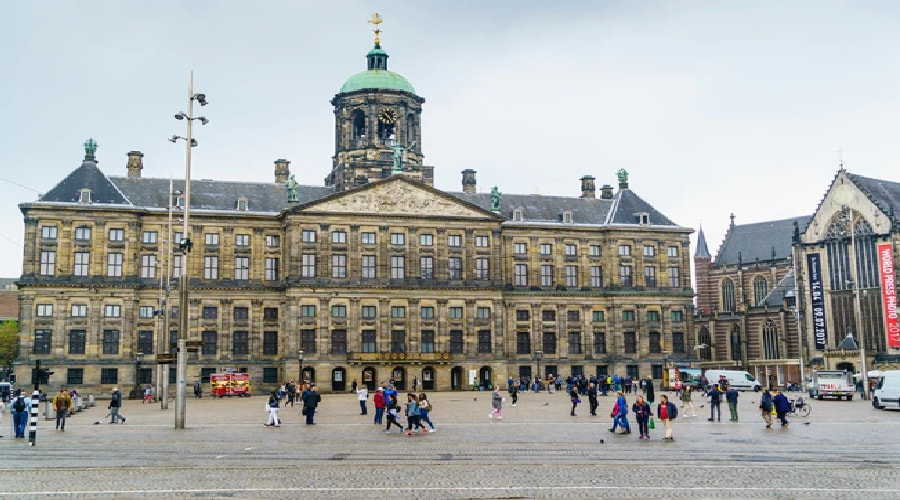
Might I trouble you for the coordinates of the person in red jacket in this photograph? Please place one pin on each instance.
(378, 400)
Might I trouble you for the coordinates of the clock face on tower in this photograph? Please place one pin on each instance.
(388, 116)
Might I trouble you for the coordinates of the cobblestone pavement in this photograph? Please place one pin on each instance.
(842, 450)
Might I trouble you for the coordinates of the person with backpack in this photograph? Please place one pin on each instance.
(667, 413)
(115, 402)
(62, 403)
(19, 407)
(765, 406)
(393, 415)
(425, 410)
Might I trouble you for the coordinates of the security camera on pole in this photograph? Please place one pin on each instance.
(185, 246)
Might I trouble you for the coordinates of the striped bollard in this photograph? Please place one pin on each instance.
(32, 425)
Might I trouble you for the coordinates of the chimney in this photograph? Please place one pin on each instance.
(587, 187)
(282, 170)
(468, 181)
(135, 164)
(606, 192)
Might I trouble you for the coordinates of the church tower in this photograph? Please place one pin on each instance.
(377, 132)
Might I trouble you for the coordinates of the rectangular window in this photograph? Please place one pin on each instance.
(649, 276)
(308, 236)
(271, 268)
(649, 251)
(270, 375)
(48, 263)
(571, 250)
(548, 315)
(520, 248)
(523, 343)
(308, 269)
(210, 340)
(368, 341)
(427, 340)
(677, 316)
(109, 375)
(42, 341)
(599, 342)
(241, 313)
(599, 316)
(656, 371)
(573, 315)
(110, 341)
(655, 346)
(308, 340)
(628, 315)
(211, 267)
(427, 312)
(368, 267)
(339, 237)
(481, 241)
(426, 240)
(242, 268)
(398, 341)
(624, 250)
(148, 266)
(338, 311)
(176, 266)
(398, 239)
(454, 268)
(45, 310)
(572, 276)
(240, 343)
(455, 312)
(145, 341)
(596, 276)
(454, 240)
(678, 342)
(367, 238)
(484, 341)
(146, 311)
(482, 270)
(523, 315)
(148, 237)
(574, 343)
(75, 376)
(632, 371)
(674, 277)
(338, 341)
(114, 265)
(273, 240)
(82, 233)
(630, 342)
(79, 310)
(210, 312)
(308, 311)
(426, 268)
(369, 312)
(546, 275)
(116, 235)
(625, 275)
(174, 310)
(242, 240)
(673, 251)
(82, 264)
(338, 266)
(270, 313)
(398, 312)
(398, 267)
(212, 239)
(176, 239)
(112, 311)
(173, 344)
(546, 249)
(521, 275)
(483, 312)
(595, 250)
(548, 342)
(653, 316)
(456, 341)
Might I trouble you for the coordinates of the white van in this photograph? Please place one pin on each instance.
(740, 380)
(887, 392)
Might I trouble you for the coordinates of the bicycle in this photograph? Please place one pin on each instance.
(800, 407)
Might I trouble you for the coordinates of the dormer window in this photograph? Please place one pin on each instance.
(518, 215)
(566, 217)
(243, 204)
(179, 202)
(643, 218)
(84, 196)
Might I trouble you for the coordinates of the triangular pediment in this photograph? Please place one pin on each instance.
(846, 191)
(397, 196)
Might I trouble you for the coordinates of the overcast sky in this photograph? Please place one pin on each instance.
(713, 107)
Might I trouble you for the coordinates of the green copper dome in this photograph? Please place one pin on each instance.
(377, 76)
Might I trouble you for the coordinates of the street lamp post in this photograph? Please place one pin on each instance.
(538, 355)
(864, 372)
(185, 246)
(300, 369)
(136, 392)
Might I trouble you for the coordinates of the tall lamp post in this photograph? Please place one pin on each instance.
(136, 392)
(185, 246)
(538, 355)
(300, 369)
(864, 372)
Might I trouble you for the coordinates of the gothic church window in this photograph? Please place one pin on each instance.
(728, 302)
(770, 340)
(760, 290)
(736, 343)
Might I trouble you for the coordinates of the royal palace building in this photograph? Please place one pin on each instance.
(374, 275)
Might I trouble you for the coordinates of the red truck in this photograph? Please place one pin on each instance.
(230, 384)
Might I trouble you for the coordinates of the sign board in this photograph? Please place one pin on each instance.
(817, 300)
(889, 294)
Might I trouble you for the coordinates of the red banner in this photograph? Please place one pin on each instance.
(889, 294)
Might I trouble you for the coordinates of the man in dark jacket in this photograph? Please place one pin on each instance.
(731, 395)
(765, 407)
(592, 398)
(115, 403)
(649, 390)
(782, 407)
(715, 402)
(667, 413)
(310, 402)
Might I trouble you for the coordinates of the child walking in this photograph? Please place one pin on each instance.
(497, 404)
(412, 414)
(393, 415)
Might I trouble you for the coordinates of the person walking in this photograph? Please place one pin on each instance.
(19, 407)
(514, 392)
(310, 401)
(148, 394)
(642, 414)
(715, 402)
(198, 390)
(378, 401)
(62, 403)
(649, 391)
(765, 407)
(291, 393)
(667, 412)
(362, 394)
(620, 414)
(782, 407)
(573, 394)
(393, 415)
(592, 398)
(272, 406)
(115, 403)
(731, 395)
(496, 404)
(412, 414)
(424, 412)
(687, 401)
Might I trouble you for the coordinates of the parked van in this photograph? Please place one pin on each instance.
(887, 392)
(740, 380)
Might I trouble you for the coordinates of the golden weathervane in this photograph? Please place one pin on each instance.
(376, 20)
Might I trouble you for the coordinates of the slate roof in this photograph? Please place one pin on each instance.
(88, 175)
(756, 241)
(884, 194)
(784, 288)
(702, 250)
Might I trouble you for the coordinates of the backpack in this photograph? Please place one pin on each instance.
(19, 405)
(673, 410)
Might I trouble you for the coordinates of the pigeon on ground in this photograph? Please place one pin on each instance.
(474, 399)
(806, 423)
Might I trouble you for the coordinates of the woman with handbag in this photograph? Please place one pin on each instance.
(573, 393)
(425, 410)
(272, 405)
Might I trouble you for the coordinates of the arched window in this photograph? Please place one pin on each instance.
(760, 290)
(736, 343)
(770, 340)
(704, 344)
(410, 128)
(728, 295)
(358, 132)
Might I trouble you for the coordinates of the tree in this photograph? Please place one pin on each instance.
(9, 342)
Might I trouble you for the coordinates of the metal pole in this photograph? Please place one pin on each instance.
(165, 347)
(181, 355)
(861, 340)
